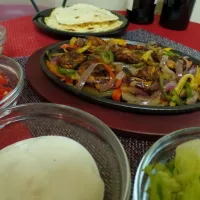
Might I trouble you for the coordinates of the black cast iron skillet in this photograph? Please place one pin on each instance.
(113, 104)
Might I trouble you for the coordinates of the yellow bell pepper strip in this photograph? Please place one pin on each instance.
(168, 49)
(72, 42)
(85, 48)
(54, 69)
(65, 50)
(107, 56)
(165, 95)
(183, 81)
(181, 85)
(116, 95)
(147, 55)
(120, 42)
(197, 76)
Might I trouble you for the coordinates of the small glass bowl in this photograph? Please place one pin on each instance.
(162, 151)
(43, 119)
(2, 38)
(15, 75)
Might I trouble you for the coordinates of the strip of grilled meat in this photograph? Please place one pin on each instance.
(71, 59)
(126, 55)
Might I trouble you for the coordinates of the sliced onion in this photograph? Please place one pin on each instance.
(193, 70)
(188, 64)
(134, 90)
(126, 67)
(193, 99)
(170, 86)
(130, 98)
(179, 68)
(120, 75)
(153, 100)
(85, 75)
(163, 60)
(107, 86)
(134, 71)
(168, 71)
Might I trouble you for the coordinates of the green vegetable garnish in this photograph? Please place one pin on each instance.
(107, 56)
(179, 179)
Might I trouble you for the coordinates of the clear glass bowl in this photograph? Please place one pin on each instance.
(2, 38)
(34, 120)
(15, 75)
(162, 151)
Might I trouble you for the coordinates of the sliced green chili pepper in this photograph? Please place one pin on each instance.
(141, 64)
(107, 56)
(98, 49)
(56, 54)
(66, 72)
(170, 53)
(48, 55)
(165, 95)
(175, 98)
(188, 90)
(95, 92)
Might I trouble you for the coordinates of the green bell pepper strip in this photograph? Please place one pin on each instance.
(66, 72)
(165, 95)
(188, 90)
(141, 64)
(170, 53)
(107, 56)
(175, 98)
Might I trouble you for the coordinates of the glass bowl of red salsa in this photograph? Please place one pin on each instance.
(11, 81)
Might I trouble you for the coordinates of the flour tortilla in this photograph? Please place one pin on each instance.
(49, 168)
(87, 25)
(83, 13)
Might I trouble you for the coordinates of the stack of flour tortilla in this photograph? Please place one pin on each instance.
(82, 18)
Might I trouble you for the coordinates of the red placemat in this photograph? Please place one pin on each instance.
(23, 38)
(13, 133)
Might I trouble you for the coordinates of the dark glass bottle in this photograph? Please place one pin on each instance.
(176, 14)
(141, 11)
